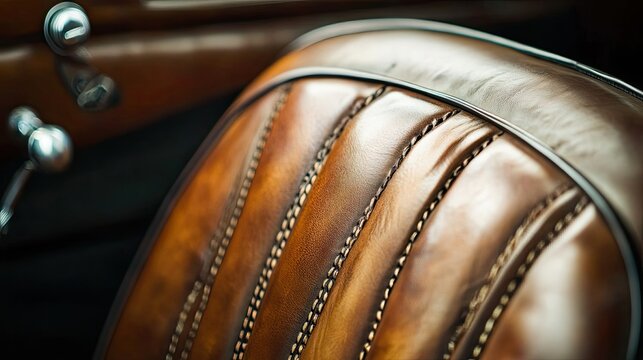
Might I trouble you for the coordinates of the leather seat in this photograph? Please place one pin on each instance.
(401, 189)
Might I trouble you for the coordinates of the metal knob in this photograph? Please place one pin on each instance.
(49, 146)
(66, 27)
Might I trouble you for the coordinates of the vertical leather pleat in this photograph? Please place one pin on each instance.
(303, 124)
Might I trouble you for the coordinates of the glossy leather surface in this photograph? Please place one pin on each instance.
(515, 86)
(338, 218)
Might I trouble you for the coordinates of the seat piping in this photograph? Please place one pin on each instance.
(622, 234)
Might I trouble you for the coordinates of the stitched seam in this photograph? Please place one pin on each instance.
(319, 303)
(196, 289)
(241, 200)
(289, 222)
(521, 273)
(222, 245)
(187, 307)
(446, 185)
(500, 262)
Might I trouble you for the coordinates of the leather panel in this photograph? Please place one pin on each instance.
(545, 228)
(356, 167)
(350, 219)
(360, 283)
(181, 248)
(295, 138)
(451, 256)
(585, 120)
(578, 318)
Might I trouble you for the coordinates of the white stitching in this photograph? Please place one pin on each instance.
(223, 244)
(513, 285)
(418, 227)
(289, 222)
(318, 305)
(501, 260)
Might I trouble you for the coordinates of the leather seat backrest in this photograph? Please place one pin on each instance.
(401, 190)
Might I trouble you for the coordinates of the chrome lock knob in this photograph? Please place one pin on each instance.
(66, 27)
(49, 146)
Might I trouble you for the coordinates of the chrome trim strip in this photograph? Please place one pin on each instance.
(374, 25)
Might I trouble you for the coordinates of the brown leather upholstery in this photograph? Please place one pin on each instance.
(400, 203)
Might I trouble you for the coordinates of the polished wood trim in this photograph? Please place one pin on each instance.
(157, 74)
(120, 16)
(109, 16)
